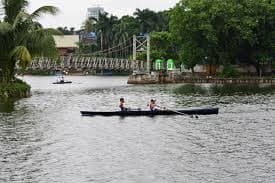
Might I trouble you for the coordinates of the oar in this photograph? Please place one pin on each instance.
(177, 112)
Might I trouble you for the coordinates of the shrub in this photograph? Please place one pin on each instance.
(230, 72)
(15, 89)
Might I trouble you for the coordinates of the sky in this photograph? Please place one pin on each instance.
(73, 12)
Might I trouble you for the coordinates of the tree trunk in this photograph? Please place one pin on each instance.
(255, 63)
(257, 67)
(101, 41)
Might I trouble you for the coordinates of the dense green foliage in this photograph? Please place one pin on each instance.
(66, 31)
(163, 46)
(23, 37)
(112, 31)
(86, 48)
(225, 31)
(17, 89)
(229, 71)
(216, 32)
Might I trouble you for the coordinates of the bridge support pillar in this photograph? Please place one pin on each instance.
(142, 44)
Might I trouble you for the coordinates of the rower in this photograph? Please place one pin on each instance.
(122, 104)
(152, 105)
(58, 79)
(62, 79)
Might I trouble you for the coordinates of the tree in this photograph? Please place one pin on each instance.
(131, 25)
(163, 20)
(112, 31)
(89, 25)
(105, 30)
(22, 37)
(191, 55)
(227, 31)
(87, 48)
(66, 31)
(121, 35)
(163, 46)
(148, 20)
(259, 41)
(127, 27)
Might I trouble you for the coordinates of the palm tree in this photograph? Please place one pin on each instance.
(148, 20)
(121, 34)
(105, 29)
(89, 24)
(22, 37)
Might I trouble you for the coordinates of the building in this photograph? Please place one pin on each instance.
(66, 44)
(87, 37)
(94, 12)
(2, 11)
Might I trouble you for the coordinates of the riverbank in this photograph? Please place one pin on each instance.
(157, 78)
(16, 89)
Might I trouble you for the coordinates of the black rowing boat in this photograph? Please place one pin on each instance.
(64, 82)
(207, 111)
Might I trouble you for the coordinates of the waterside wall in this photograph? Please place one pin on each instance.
(159, 78)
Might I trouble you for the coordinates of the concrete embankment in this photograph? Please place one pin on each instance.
(157, 78)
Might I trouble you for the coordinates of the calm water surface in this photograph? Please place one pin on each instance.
(44, 138)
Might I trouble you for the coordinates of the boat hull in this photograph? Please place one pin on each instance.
(61, 83)
(207, 111)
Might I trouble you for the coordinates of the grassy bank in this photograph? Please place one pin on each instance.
(16, 89)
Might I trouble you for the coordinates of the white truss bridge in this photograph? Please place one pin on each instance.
(87, 63)
(116, 58)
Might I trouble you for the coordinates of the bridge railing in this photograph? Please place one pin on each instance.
(86, 63)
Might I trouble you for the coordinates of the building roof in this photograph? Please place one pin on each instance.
(68, 41)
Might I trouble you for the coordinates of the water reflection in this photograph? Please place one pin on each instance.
(242, 89)
(192, 89)
(224, 90)
(6, 105)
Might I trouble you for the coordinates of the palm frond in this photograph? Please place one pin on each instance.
(5, 37)
(21, 16)
(44, 10)
(37, 25)
(49, 31)
(22, 38)
(41, 43)
(13, 7)
(5, 27)
(21, 54)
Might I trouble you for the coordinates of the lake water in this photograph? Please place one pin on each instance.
(45, 139)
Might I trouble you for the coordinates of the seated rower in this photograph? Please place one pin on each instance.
(62, 79)
(152, 105)
(58, 79)
(122, 105)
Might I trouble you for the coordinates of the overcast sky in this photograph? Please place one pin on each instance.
(73, 12)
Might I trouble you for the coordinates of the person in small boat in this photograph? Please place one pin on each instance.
(152, 105)
(122, 105)
(62, 79)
